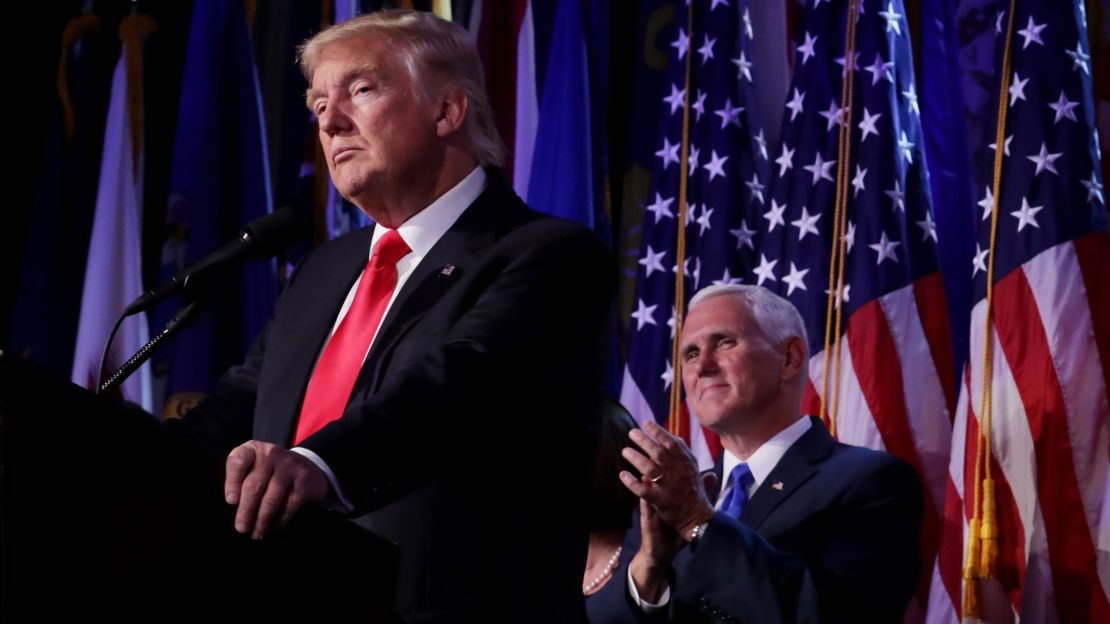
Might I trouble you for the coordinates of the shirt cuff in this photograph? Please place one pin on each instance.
(340, 500)
(649, 608)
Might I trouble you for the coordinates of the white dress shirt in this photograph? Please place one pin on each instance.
(764, 459)
(420, 232)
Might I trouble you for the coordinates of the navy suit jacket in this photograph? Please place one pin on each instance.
(832, 535)
(484, 382)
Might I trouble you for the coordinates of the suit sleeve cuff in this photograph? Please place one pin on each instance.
(338, 501)
(649, 608)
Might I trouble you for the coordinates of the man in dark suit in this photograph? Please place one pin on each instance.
(396, 381)
(805, 529)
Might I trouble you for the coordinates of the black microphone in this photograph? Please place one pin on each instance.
(262, 238)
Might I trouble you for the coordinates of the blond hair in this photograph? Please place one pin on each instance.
(436, 53)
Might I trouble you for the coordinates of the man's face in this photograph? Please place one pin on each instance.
(377, 133)
(730, 370)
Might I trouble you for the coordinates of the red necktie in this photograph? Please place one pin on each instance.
(335, 373)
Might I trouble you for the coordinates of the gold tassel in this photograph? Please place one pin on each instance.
(988, 533)
(971, 567)
(973, 608)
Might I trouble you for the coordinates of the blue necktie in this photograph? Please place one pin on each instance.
(740, 478)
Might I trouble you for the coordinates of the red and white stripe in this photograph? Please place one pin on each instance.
(894, 393)
(1050, 442)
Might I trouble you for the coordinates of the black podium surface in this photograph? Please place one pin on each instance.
(108, 517)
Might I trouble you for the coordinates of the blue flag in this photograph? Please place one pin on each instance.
(562, 163)
(220, 182)
(942, 119)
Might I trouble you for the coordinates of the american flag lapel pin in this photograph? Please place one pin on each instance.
(447, 270)
(777, 485)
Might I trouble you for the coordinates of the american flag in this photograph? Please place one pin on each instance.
(1049, 342)
(728, 170)
(891, 383)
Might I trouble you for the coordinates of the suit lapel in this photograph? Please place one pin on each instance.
(310, 318)
(798, 464)
(450, 260)
(718, 469)
(444, 265)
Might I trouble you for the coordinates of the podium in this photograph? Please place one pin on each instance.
(106, 516)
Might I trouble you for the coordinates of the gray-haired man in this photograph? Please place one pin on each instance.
(805, 528)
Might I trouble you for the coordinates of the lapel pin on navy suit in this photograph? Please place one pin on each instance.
(777, 485)
(447, 270)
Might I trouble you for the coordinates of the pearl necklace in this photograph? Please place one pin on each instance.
(605, 572)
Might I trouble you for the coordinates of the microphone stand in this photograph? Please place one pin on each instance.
(263, 237)
(183, 317)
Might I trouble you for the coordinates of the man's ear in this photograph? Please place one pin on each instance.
(453, 108)
(794, 358)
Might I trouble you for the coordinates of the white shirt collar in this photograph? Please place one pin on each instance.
(424, 229)
(767, 456)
